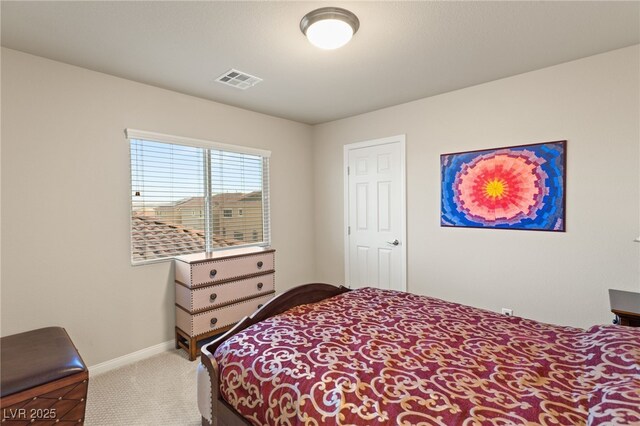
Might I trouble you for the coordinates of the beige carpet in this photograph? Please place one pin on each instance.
(160, 390)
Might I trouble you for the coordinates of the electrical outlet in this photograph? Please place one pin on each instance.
(508, 312)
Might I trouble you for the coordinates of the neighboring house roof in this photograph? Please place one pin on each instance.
(253, 196)
(223, 198)
(228, 196)
(153, 238)
(190, 202)
(197, 202)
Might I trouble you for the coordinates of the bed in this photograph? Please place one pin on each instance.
(323, 355)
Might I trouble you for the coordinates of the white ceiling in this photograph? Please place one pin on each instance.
(403, 50)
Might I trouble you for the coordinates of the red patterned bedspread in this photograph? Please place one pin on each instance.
(379, 357)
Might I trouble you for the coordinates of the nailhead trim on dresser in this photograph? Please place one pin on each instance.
(226, 269)
(227, 309)
(237, 272)
(195, 300)
(214, 262)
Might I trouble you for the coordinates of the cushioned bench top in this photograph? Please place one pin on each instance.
(37, 357)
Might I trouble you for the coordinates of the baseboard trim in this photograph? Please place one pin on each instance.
(123, 360)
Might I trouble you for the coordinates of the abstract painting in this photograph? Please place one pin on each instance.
(517, 187)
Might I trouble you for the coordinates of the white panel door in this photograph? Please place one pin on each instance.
(375, 214)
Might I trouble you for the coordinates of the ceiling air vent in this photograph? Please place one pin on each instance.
(238, 79)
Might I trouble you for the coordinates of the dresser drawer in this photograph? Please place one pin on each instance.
(201, 298)
(210, 272)
(218, 318)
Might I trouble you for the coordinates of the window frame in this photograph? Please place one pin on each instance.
(133, 134)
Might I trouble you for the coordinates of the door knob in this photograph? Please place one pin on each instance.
(394, 242)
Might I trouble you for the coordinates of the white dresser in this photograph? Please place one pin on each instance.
(216, 290)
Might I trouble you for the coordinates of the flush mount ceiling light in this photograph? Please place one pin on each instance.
(329, 27)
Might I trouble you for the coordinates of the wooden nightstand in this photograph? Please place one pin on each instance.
(626, 306)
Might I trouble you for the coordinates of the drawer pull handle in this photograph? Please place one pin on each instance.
(260, 306)
(260, 285)
(213, 273)
(260, 264)
(213, 297)
(214, 321)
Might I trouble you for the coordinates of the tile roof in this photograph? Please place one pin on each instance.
(225, 197)
(152, 239)
(253, 196)
(188, 202)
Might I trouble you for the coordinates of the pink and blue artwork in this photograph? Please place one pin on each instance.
(517, 187)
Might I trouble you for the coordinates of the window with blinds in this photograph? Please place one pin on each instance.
(191, 196)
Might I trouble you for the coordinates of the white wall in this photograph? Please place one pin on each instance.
(65, 195)
(554, 277)
(65, 201)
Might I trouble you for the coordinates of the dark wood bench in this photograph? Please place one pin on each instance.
(43, 379)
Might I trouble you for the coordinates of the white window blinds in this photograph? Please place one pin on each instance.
(191, 196)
